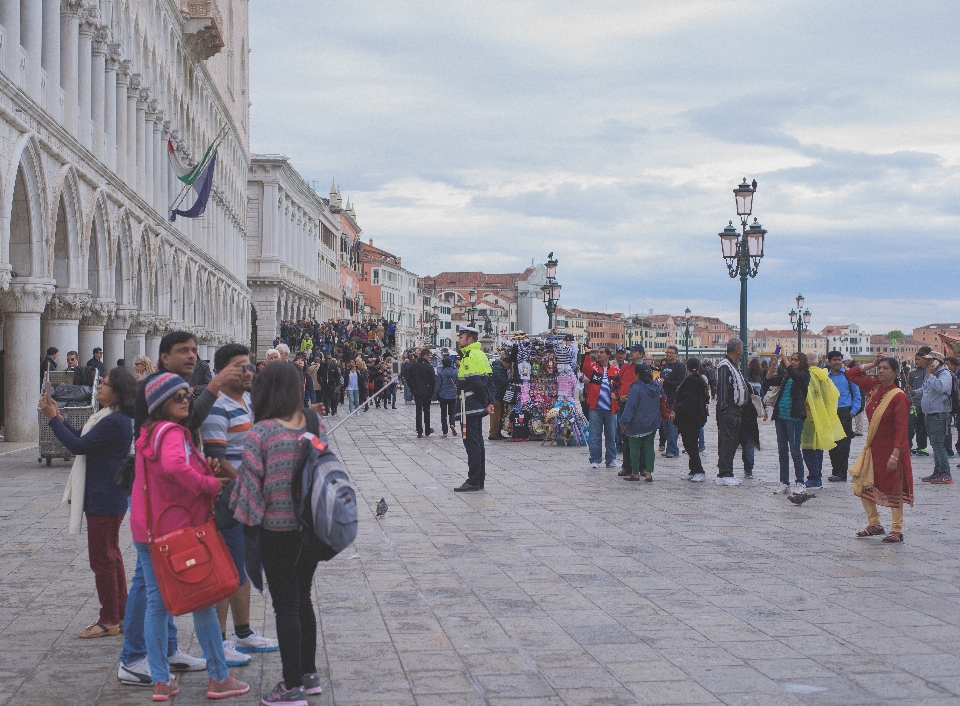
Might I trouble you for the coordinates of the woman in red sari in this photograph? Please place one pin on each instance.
(888, 481)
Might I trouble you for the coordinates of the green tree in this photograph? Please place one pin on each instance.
(896, 334)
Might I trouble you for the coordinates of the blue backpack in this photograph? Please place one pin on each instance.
(325, 502)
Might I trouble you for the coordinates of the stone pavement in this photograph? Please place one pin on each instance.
(558, 585)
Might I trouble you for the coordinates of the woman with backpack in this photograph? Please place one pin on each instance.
(263, 499)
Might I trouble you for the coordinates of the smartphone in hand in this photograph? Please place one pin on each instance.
(777, 351)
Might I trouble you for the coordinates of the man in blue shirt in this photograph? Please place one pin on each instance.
(848, 405)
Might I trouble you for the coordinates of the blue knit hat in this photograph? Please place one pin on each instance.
(161, 387)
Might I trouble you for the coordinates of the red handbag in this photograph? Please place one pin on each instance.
(193, 566)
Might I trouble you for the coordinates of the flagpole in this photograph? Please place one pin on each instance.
(186, 188)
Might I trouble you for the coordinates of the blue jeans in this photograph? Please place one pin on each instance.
(390, 395)
(703, 443)
(746, 443)
(937, 431)
(788, 444)
(603, 421)
(670, 431)
(134, 647)
(814, 460)
(407, 392)
(205, 624)
(353, 398)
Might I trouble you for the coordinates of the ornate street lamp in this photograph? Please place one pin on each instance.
(435, 324)
(473, 306)
(686, 330)
(800, 320)
(551, 290)
(742, 252)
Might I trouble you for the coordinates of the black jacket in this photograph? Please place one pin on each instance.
(672, 374)
(98, 364)
(501, 376)
(421, 378)
(798, 391)
(692, 399)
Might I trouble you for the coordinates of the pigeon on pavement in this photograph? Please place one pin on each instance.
(800, 499)
(381, 508)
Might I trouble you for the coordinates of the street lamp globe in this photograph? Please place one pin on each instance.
(551, 266)
(755, 237)
(793, 317)
(806, 317)
(744, 195)
(800, 301)
(473, 295)
(729, 238)
(686, 313)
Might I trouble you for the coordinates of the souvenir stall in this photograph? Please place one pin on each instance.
(543, 391)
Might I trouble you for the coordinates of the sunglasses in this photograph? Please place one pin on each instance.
(249, 368)
(180, 397)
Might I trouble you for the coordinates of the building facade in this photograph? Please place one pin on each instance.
(901, 349)
(293, 267)
(392, 292)
(764, 342)
(90, 95)
(928, 335)
(351, 295)
(846, 338)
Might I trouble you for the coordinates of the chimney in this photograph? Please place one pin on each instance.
(371, 242)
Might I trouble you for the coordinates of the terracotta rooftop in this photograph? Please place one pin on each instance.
(479, 280)
(369, 253)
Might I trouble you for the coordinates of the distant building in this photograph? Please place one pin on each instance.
(599, 329)
(927, 335)
(905, 348)
(846, 338)
(392, 292)
(764, 342)
(348, 251)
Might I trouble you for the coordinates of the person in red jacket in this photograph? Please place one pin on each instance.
(628, 373)
(600, 385)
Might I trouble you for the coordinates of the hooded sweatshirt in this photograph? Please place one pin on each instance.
(641, 414)
(181, 485)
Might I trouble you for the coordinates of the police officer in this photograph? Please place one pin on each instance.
(475, 386)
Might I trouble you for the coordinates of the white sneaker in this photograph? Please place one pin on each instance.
(255, 642)
(234, 658)
(594, 465)
(137, 674)
(729, 481)
(799, 489)
(698, 477)
(781, 488)
(180, 661)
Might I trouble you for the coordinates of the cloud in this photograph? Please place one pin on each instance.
(481, 135)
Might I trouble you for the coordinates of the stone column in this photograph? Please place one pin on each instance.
(114, 334)
(88, 24)
(138, 332)
(91, 330)
(140, 118)
(22, 305)
(159, 163)
(61, 322)
(10, 19)
(149, 117)
(31, 39)
(133, 94)
(123, 87)
(164, 172)
(69, 63)
(98, 79)
(157, 329)
(50, 57)
(110, 66)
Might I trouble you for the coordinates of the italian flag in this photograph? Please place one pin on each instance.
(184, 173)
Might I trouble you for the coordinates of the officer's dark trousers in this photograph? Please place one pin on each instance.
(473, 443)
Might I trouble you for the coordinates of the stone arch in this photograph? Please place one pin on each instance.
(97, 246)
(122, 259)
(24, 199)
(65, 248)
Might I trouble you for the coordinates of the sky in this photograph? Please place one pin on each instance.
(484, 135)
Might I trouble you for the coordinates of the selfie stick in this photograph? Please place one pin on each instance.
(370, 399)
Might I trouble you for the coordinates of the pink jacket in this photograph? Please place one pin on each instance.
(182, 486)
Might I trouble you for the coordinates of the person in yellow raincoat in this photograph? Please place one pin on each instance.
(822, 428)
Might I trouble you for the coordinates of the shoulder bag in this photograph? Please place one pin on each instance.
(193, 566)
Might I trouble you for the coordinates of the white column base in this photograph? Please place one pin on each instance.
(113, 339)
(63, 334)
(21, 377)
(91, 337)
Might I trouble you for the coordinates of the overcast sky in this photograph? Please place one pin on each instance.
(479, 135)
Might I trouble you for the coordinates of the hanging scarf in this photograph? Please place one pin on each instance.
(821, 429)
(73, 492)
(740, 395)
(862, 472)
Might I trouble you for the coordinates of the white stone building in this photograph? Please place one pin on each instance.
(89, 95)
(292, 250)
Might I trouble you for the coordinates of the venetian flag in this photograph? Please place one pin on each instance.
(201, 184)
(184, 173)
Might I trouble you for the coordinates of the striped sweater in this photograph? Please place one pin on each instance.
(262, 496)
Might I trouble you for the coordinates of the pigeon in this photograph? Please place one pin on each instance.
(381, 508)
(800, 499)
(754, 185)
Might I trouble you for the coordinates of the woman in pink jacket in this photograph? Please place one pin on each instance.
(182, 487)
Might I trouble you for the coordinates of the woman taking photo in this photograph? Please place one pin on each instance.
(883, 474)
(693, 397)
(182, 487)
(100, 448)
(789, 411)
(263, 499)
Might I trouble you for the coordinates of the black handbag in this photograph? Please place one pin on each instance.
(125, 474)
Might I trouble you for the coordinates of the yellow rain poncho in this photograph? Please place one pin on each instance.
(821, 429)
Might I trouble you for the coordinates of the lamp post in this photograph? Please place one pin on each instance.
(800, 320)
(435, 324)
(551, 290)
(742, 252)
(686, 331)
(473, 306)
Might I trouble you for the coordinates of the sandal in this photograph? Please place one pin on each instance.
(631, 477)
(624, 473)
(98, 629)
(649, 478)
(871, 531)
(894, 538)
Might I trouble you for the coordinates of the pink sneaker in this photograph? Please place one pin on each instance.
(165, 690)
(231, 686)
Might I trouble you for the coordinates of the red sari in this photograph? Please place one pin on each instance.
(890, 489)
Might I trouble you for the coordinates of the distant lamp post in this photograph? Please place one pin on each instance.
(435, 324)
(686, 331)
(473, 306)
(360, 303)
(800, 321)
(742, 252)
(551, 290)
